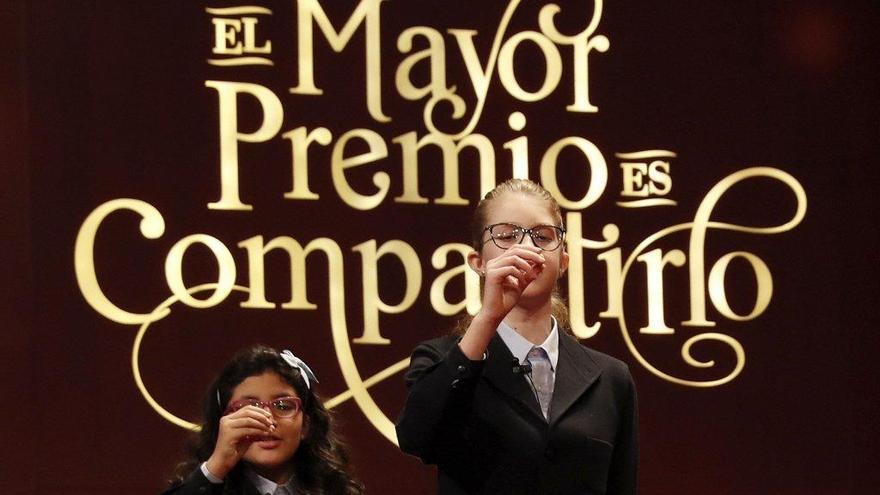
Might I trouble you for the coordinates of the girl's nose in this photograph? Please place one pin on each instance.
(528, 238)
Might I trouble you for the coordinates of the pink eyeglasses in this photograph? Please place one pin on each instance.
(282, 407)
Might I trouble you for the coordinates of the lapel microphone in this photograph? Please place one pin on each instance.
(526, 371)
(520, 369)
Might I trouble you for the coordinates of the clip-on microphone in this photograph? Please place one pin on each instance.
(525, 370)
(520, 369)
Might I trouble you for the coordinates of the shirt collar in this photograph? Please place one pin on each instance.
(264, 486)
(520, 347)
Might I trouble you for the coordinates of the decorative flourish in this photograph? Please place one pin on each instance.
(698, 229)
(357, 386)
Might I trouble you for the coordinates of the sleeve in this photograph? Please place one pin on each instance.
(441, 382)
(624, 473)
(196, 484)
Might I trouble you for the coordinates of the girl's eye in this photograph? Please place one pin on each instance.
(285, 405)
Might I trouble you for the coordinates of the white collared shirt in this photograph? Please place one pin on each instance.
(268, 487)
(263, 486)
(520, 347)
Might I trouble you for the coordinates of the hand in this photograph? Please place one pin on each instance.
(507, 276)
(236, 432)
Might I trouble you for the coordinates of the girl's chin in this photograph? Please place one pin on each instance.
(266, 457)
(538, 291)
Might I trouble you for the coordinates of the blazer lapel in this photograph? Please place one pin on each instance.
(499, 372)
(575, 373)
(238, 484)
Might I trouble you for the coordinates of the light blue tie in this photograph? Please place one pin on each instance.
(542, 377)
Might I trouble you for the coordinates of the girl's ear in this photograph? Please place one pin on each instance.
(475, 260)
(563, 263)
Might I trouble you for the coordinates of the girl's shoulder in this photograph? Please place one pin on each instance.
(442, 343)
(605, 362)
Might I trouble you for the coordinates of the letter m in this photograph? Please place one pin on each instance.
(310, 12)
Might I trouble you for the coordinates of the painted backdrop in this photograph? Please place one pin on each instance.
(183, 179)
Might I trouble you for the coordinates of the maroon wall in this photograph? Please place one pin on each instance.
(106, 100)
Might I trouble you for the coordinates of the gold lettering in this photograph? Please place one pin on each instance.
(300, 140)
(339, 164)
(250, 37)
(342, 346)
(226, 36)
(367, 12)
(225, 270)
(575, 244)
(519, 147)
(702, 223)
(230, 136)
(257, 251)
(634, 179)
(480, 76)
(471, 300)
(152, 226)
(582, 44)
(451, 151)
(696, 259)
(507, 74)
(654, 261)
(435, 53)
(658, 173)
(686, 353)
(613, 269)
(373, 302)
(763, 278)
(598, 172)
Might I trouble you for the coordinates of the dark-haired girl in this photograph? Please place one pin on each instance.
(265, 432)
(514, 404)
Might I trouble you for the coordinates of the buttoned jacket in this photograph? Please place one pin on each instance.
(480, 423)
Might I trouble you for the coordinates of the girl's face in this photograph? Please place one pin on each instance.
(269, 455)
(527, 211)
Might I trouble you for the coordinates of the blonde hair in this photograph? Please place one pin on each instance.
(517, 186)
(559, 307)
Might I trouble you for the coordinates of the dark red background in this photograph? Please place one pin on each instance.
(104, 100)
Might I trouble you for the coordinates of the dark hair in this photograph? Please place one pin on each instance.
(320, 463)
(478, 226)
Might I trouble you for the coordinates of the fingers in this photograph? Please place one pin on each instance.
(248, 423)
(528, 253)
(520, 279)
(244, 436)
(248, 418)
(524, 271)
(506, 274)
(522, 258)
(257, 413)
(237, 431)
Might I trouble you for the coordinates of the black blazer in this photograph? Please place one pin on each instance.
(197, 484)
(481, 424)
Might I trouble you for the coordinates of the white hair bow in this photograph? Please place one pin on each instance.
(303, 368)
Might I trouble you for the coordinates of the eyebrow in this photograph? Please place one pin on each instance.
(518, 224)
(277, 395)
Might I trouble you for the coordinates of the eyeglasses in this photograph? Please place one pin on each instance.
(282, 407)
(507, 235)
